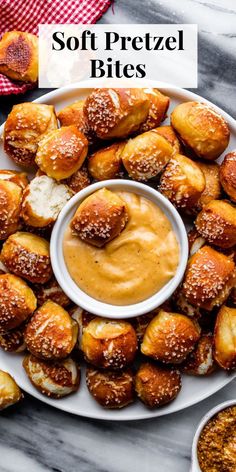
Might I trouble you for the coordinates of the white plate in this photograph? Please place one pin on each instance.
(194, 389)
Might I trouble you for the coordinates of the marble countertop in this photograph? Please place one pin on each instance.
(38, 438)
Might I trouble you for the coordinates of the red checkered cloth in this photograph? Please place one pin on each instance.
(26, 15)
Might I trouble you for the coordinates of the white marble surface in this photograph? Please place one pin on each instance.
(37, 438)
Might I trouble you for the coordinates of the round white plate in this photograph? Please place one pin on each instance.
(194, 389)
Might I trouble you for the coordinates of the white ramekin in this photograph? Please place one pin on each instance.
(195, 464)
(81, 298)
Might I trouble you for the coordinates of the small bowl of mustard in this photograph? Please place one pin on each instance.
(214, 443)
(135, 272)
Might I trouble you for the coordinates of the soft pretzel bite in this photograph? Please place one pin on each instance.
(100, 218)
(169, 134)
(27, 255)
(43, 199)
(19, 56)
(18, 178)
(51, 333)
(116, 113)
(55, 379)
(109, 344)
(13, 341)
(182, 182)
(200, 361)
(24, 127)
(146, 155)
(78, 180)
(183, 306)
(62, 152)
(225, 338)
(17, 302)
(10, 207)
(201, 128)
(109, 388)
(209, 278)
(212, 189)
(74, 115)
(170, 337)
(216, 223)
(51, 291)
(9, 391)
(158, 106)
(106, 163)
(195, 241)
(156, 385)
(228, 175)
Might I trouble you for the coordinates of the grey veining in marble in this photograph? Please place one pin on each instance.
(37, 438)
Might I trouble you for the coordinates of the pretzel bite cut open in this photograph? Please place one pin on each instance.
(156, 385)
(116, 113)
(43, 199)
(146, 155)
(217, 223)
(209, 278)
(170, 337)
(182, 182)
(62, 152)
(110, 389)
(17, 302)
(9, 391)
(10, 208)
(24, 127)
(51, 333)
(27, 255)
(54, 379)
(106, 163)
(100, 218)
(19, 56)
(201, 128)
(228, 175)
(158, 107)
(225, 338)
(109, 343)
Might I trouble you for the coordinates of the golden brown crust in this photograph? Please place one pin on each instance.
(27, 255)
(106, 163)
(146, 155)
(9, 391)
(42, 201)
(18, 178)
(17, 302)
(13, 341)
(182, 182)
(212, 189)
(225, 338)
(55, 379)
(170, 337)
(51, 291)
(74, 115)
(217, 223)
(19, 56)
(10, 207)
(51, 333)
(78, 180)
(155, 385)
(116, 113)
(100, 218)
(62, 152)
(110, 389)
(201, 129)
(109, 344)
(209, 278)
(228, 175)
(169, 134)
(158, 106)
(200, 361)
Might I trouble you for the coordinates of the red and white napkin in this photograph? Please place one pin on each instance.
(25, 15)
